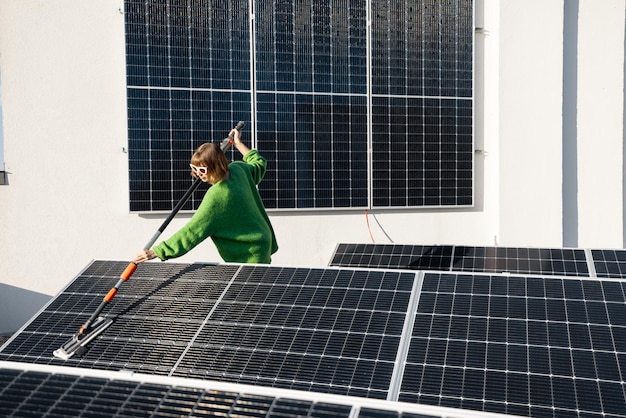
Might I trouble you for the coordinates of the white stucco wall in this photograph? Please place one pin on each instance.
(64, 109)
(530, 92)
(600, 122)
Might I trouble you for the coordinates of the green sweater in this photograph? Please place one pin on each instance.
(233, 215)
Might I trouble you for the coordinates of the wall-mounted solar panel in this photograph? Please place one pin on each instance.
(422, 103)
(188, 82)
(312, 103)
(321, 89)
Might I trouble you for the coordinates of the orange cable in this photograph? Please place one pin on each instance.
(367, 220)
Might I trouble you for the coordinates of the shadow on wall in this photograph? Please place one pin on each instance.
(17, 306)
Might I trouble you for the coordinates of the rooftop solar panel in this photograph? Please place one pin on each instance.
(518, 345)
(518, 260)
(609, 263)
(50, 391)
(528, 345)
(324, 330)
(28, 393)
(151, 302)
(557, 261)
(409, 257)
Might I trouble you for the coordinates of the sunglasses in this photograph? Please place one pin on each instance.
(198, 170)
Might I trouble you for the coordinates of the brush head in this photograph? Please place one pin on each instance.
(76, 346)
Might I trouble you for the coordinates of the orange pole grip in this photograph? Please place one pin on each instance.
(128, 271)
(110, 295)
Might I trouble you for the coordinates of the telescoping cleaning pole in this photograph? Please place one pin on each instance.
(97, 324)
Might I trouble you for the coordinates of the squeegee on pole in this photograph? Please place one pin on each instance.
(96, 324)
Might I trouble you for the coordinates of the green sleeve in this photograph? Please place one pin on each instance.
(257, 165)
(199, 228)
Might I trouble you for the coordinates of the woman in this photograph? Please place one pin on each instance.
(231, 212)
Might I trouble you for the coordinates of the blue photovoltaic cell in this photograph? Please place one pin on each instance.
(518, 345)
